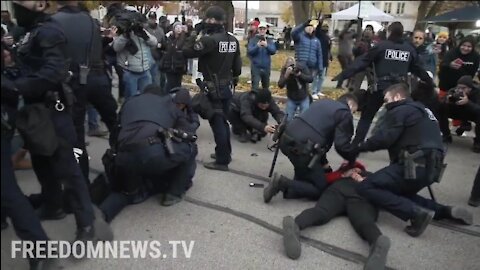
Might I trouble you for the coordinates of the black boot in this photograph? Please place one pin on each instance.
(291, 238)
(99, 231)
(273, 187)
(255, 137)
(475, 202)
(378, 254)
(46, 213)
(243, 138)
(213, 156)
(216, 166)
(419, 223)
(170, 200)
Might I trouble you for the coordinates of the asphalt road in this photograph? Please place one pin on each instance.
(233, 228)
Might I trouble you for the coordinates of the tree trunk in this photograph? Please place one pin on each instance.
(425, 12)
(301, 11)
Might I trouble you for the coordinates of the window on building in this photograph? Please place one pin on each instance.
(400, 8)
(272, 20)
(387, 7)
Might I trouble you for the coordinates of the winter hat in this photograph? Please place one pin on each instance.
(263, 96)
(175, 24)
(181, 96)
(466, 80)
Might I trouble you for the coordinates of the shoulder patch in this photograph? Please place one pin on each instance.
(198, 46)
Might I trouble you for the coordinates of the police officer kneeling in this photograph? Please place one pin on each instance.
(307, 139)
(249, 115)
(149, 148)
(414, 142)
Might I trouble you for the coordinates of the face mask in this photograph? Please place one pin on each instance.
(25, 17)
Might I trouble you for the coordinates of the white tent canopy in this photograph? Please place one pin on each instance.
(367, 12)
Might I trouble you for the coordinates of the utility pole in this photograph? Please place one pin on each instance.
(245, 25)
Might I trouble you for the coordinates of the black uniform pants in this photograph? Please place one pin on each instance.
(308, 182)
(14, 203)
(388, 189)
(476, 186)
(450, 110)
(338, 199)
(62, 168)
(173, 80)
(221, 131)
(373, 104)
(98, 92)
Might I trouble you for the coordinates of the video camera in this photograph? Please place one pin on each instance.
(130, 22)
(455, 95)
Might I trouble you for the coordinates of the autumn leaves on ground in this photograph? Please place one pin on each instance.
(277, 62)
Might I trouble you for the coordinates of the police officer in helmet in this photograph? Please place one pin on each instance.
(306, 141)
(219, 61)
(42, 59)
(392, 60)
(414, 142)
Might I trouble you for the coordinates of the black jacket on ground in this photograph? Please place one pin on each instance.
(244, 104)
(297, 86)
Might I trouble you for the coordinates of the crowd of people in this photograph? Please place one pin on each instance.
(61, 71)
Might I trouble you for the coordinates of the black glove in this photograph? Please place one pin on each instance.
(307, 23)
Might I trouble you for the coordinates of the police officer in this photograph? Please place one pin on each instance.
(90, 82)
(249, 113)
(393, 59)
(43, 62)
(150, 154)
(219, 62)
(414, 142)
(307, 139)
(14, 203)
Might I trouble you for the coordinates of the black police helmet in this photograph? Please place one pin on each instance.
(216, 13)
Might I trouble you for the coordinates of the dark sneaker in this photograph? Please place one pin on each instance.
(97, 133)
(419, 223)
(272, 188)
(461, 215)
(45, 213)
(255, 138)
(291, 238)
(215, 166)
(378, 254)
(475, 202)
(170, 200)
(243, 138)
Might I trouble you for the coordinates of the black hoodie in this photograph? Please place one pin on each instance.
(448, 76)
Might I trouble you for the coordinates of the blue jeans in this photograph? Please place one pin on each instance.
(136, 82)
(260, 74)
(92, 117)
(155, 73)
(292, 107)
(318, 80)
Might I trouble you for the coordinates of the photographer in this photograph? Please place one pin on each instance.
(260, 50)
(249, 115)
(132, 44)
(296, 76)
(462, 102)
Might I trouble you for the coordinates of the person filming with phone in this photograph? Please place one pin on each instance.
(462, 102)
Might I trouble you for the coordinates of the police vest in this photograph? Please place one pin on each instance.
(220, 60)
(319, 122)
(149, 107)
(423, 135)
(84, 43)
(394, 59)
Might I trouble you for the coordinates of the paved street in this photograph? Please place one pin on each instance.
(233, 228)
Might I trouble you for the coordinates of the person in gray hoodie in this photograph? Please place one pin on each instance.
(134, 56)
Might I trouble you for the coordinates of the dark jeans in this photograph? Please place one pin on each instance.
(476, 186)
(388, 189)
(221, 131)
(14, 203)
(98, 92)
(345, 62)
(260, 74)
(339, 199)
(465, 113)
(373, 104)
(173, 80)
(62, 168)
(308, 183)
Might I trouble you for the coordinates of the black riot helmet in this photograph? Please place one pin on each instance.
(215, 12)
